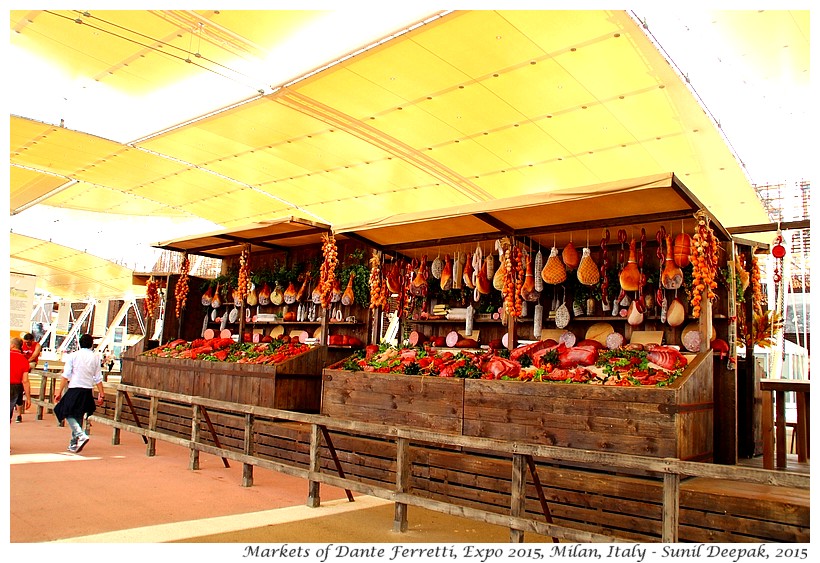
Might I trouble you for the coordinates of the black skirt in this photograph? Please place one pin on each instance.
(76, 403)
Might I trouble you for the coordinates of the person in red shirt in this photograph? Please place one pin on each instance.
(31, 350)
(19, 368)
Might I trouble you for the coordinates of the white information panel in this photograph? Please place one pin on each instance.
(21, 301)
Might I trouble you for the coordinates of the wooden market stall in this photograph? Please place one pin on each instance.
(686, 419)
(281, 257)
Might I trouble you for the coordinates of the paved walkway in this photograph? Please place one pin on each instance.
(117, 494)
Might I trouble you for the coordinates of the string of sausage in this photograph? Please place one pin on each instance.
(604, 269)
(660, 237)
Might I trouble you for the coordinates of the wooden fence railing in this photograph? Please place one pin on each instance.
(521, 454)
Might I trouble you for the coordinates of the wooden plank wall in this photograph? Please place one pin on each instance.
(421, 402)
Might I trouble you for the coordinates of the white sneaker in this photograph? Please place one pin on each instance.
(72, 448)
(81, 442)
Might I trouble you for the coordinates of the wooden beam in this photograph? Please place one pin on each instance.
(214, 435)
(193, 457)
(770, 227)
(403, 471)
(247, 449)
(315, 465)
(671, 508)
(518, 494)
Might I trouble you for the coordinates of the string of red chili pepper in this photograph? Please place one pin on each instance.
(181, 289)
(151, 296)
(604, 269)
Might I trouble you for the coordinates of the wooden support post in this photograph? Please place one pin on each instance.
(540, 491)
(518, 494)
(403, 470)
(767, 424)
(193, 457)
(671, 507)
(214, 435)
(247, 468)
(115, 437)
(151, 450)
(315, 466)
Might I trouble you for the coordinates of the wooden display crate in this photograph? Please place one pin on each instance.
(294, 384)
(674, 421)
(435, 403)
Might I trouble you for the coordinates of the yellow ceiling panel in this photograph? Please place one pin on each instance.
(121, 48)
(196, 145)
(88, 197)
(57, 150)
(385, 175)
(263, 28)
(129, 168)
(410, 200)
(476, 41)
(405, 68)
(237, 205)
(330, 150)
(623, 71)
(548, 89)
(415, 126)
(523, 145)
(468, 158)
(647, 114)
(24, 132)
(256, 168)
(616, 163)
(503, 183)
(553, 175)
(787, 29)
(678, 151)
(26, 186)
(465, 109)
(557, 31)
(187, 187)
(584, 130)
(68, 272)
(350, 93)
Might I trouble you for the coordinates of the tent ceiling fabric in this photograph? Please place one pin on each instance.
(467, 108)
(69, 273)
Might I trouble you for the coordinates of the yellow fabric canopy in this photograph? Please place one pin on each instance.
(467, 109)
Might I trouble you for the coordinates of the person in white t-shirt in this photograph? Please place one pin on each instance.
(81, 373)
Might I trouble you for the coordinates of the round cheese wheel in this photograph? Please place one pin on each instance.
(599, 332)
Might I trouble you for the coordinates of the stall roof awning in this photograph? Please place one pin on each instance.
(69, 273)
(278, 236)
(580, 214)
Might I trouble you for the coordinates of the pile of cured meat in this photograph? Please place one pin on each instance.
(543, 360)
